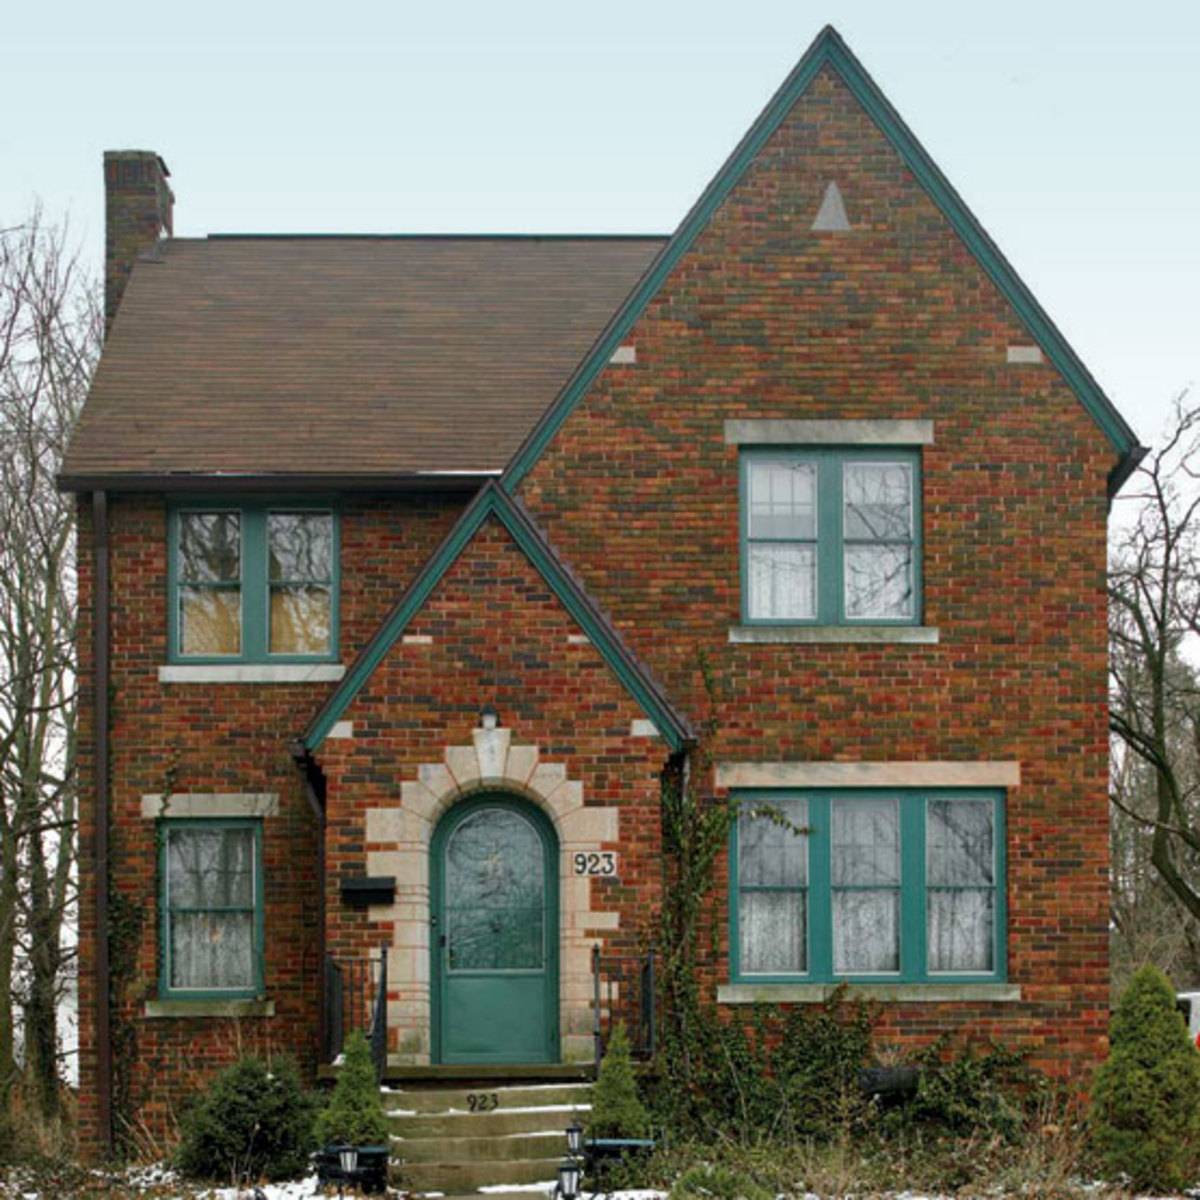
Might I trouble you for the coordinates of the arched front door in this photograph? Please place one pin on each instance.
(494, 899)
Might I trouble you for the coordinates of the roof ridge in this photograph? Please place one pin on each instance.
(429, 237)
(828, 49)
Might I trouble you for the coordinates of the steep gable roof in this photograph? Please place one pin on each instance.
(512, 514)
(830, 51)
(292, 357)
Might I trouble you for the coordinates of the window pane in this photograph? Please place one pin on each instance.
(866, 931)
(772, 930)
(770, 854)
(212, 950)
(879, 581)
(959, 932)
(783, 500)
(866, 843)
(210, 620)
(783, 582)
(958, 843)
(300, 620)
(300, 546)
(878, 501)
(210, 868)
(209, 547)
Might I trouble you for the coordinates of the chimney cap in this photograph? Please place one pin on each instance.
(119, 154)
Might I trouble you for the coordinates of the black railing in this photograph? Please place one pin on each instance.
(356, 998)
(623, 992)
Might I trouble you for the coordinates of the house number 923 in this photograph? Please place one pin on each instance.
(602, 862)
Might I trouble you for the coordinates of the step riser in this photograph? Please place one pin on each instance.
(485, 1125)
(466, 1177)
(440, 1100)
(465, 1150)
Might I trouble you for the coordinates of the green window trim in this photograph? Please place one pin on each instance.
(829, 540)
(253, 580)
(914, 888)
(256, 989)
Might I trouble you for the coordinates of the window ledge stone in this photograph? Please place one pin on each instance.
(873, 635)
(251, 672)
(209, 1008)
(886, 993)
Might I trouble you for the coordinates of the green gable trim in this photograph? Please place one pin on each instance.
(490, 502)
(828, 50)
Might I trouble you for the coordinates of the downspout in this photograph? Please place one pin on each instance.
(100, 656)
(313, 779)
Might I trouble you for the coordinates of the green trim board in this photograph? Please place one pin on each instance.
(829, 538)
(252, 582)
(492, 501)
(914, 886)
(254, 989)
(829, 50)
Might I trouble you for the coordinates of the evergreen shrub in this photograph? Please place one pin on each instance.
(1145, 1112)
(617, 1109)
(714, 1181)
(254, 1122)
(354, 1115)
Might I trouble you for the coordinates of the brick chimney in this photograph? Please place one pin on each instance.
(138, 204)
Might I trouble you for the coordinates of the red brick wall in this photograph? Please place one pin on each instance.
(765, 319)
(215, 738)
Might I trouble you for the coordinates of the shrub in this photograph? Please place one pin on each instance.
(354, 1115)
(1145, 1114)
(617, 1110)
(712, 1181)
(254, 1122)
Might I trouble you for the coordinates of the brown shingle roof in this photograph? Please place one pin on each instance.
(357, 356)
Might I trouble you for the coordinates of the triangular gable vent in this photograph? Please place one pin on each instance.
(831, 216)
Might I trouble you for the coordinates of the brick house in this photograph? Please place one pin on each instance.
(398, 557)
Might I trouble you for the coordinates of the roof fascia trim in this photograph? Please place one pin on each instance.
(491, 501)
(420, 481)
(828, 49)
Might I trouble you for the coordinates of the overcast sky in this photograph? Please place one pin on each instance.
(1071, 127)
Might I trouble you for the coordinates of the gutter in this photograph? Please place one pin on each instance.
(1126, 465)
(100, 657)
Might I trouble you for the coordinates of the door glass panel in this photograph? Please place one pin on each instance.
(494, 894)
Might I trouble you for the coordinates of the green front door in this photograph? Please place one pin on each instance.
(494, 893)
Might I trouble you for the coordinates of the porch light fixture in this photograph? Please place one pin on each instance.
(489, 718)
(574, 1139)
(568, 1180)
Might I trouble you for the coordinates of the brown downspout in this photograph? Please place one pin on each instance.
(314, 791)
(100, 655)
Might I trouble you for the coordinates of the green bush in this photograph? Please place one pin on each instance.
(1145, 1113)
(354, 1115)
(972, 1091)
(617, 1109)
(254, 1122)
(713, 1181)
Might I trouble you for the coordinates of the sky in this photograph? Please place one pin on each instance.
(1071, 128)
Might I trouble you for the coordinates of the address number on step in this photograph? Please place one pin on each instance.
(596, 862)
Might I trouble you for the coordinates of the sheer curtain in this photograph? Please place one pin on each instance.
(960, 873)
(773, 890)
(210, 904)
(866, 886)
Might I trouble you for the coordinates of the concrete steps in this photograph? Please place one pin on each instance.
(453, 1139)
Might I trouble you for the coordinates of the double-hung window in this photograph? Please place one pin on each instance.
(253, 583)
(903, 885)
(830, 537)
(211, 911)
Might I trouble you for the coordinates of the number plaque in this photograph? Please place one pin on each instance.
(595, 862)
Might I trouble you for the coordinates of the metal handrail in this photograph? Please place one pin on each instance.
(355, 995)
(623, 989)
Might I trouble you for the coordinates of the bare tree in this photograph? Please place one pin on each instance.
(1154, 635)
(49, 341)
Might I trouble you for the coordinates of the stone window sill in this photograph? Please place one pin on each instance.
(871, 635)
(250, 672)
(209, 1008)
(887, 993)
